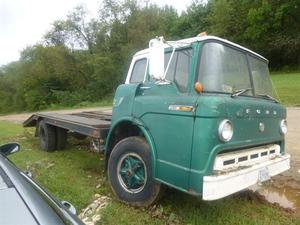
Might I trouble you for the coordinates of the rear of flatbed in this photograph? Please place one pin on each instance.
(94, 124)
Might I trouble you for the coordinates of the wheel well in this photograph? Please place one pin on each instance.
(123, 130)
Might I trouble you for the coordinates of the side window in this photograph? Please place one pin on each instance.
(138, 72)
(179, 68)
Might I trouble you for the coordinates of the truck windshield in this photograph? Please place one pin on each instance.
(261, 78)
(224, 69)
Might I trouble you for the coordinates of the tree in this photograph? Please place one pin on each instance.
(85, 59)
(268, 27)
(276, 25)
(193, 21)
(76, 32)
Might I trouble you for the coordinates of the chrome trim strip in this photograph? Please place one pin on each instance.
(183, 108)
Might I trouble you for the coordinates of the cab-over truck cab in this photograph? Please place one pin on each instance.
(198, 115)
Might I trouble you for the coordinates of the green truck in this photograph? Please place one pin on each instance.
(198, 115)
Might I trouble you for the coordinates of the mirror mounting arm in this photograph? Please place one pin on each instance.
(173, 52)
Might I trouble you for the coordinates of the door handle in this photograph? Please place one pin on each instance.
(145, 88)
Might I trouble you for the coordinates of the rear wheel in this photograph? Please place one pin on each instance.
(130, 172)
(61, 138)
(47, 134)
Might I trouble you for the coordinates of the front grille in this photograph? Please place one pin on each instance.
(246, 157)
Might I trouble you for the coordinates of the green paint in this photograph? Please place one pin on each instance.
(184, 143)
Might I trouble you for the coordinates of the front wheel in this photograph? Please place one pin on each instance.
(130, 172)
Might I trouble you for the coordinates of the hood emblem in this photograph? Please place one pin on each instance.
(261, 127)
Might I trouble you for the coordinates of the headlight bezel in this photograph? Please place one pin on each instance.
(283, 127)
(221, 130)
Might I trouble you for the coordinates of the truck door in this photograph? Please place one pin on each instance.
(167, 110)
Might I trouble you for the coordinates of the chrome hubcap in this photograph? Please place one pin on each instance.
(132, 173)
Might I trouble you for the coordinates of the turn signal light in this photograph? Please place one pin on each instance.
(198, 87)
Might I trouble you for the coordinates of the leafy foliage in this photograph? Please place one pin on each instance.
(268, 27)
(83, 60)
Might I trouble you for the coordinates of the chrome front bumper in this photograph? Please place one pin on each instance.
(219, 186)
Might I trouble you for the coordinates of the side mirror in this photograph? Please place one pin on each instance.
(157, 58)
(9, 148)
(69, 206)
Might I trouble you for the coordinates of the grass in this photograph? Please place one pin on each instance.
(72, 174)
(76, 175)
(287, 86)
(179, 208)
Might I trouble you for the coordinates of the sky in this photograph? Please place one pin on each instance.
(24, 22)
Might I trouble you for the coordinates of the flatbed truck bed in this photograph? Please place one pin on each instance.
(94, 124)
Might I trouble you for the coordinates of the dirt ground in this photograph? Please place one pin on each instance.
(293, 139)
(292, 147)
(283, 189)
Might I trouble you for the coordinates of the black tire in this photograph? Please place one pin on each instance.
(47, 134)
(61, 138)
(147, 191)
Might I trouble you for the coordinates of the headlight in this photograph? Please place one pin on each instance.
(225, 130)
(283, 127)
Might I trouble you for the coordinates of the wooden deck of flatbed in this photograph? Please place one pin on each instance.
(95, 124)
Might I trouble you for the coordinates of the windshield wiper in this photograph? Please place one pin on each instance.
(239, 92)
(268, 97)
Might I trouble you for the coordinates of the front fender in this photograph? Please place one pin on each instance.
(142, 127)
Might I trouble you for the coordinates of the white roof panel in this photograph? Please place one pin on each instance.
(188, 41)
